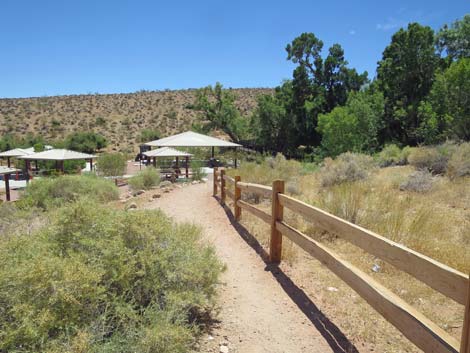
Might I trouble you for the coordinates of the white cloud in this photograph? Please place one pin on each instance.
(403, 16)
(352, 32)
(391, 23)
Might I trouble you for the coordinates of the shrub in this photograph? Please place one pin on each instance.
(345, 168)
(87, 142)
(419, 181)
(48, 193)
(459, 163)
(111, 164)
(429, 158)
(100, 280)
(145, 180)
(269, 169)
(393, 155)
(198, 171)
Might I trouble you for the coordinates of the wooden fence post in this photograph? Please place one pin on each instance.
(237, 196)
(465, 343)
(215, 181)
(222, 186)
(277, 214)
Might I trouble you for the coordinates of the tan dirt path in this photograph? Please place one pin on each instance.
(256, 313)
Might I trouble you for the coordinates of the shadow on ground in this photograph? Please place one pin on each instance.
(338, 342)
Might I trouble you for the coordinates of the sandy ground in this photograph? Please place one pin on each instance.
(261, 309)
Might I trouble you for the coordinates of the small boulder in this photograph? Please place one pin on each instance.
(165, 184)
(156, 196)
(131, 206)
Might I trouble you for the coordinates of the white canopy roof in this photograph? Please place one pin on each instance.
(191, 139)
(166, 152)
(17, 152)
(6, 170)
(58, 155)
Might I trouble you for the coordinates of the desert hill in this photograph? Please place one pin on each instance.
(118, 117)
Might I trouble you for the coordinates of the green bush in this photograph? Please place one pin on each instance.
(87, 142)
(101, 280)
(47, 193)
(111, 164)
(346, 167)
(459, 162)
(145, 180)
(393, 155)
(198, 172)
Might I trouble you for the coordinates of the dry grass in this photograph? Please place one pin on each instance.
(118, 117)
(435, 223)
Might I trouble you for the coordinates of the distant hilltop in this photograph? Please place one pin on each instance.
(118, 117)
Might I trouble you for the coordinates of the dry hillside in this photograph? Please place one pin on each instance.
(119, 117)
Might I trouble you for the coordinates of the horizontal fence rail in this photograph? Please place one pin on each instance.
(420, 330)
(438, 276)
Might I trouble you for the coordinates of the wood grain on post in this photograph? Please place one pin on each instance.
(237, 196)
(465, 342)
(222, 186)
(215, 181)
(275, 242)
(7, 186)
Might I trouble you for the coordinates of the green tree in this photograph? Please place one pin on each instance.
(217, 109)
(353, 127)
(405, 76)
(446, 112)
(111, 164)
(270, 122)
(454, 40)
(319, 85)
(87, 142)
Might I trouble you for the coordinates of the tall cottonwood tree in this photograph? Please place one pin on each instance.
(405, 75)
(319, 85)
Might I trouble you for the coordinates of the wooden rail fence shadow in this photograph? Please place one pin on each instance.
(420, 330)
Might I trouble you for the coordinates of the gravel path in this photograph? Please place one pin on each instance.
(256, 312)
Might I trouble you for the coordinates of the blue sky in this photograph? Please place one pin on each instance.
(84, 46)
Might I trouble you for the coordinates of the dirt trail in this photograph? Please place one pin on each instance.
(257, 314)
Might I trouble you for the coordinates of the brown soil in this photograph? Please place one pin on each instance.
(261, 309)
(118, 117)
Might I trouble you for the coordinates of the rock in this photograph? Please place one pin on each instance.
(166, 190)
(156, 196)
(332, 289)
(165, 184)
(223, 349)
(376, 268)
(140, 192)
(132, 206)
(194, 182)
(210, 338)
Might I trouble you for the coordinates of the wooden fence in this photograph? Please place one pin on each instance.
(420, 330)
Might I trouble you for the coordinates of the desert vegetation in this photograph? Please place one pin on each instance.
(78, 275)
(124, 120)
(410, 201)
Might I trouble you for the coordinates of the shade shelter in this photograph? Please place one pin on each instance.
(168, 152)
(15, 153)
(6, 172)
(192, 139)
(59, 156)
